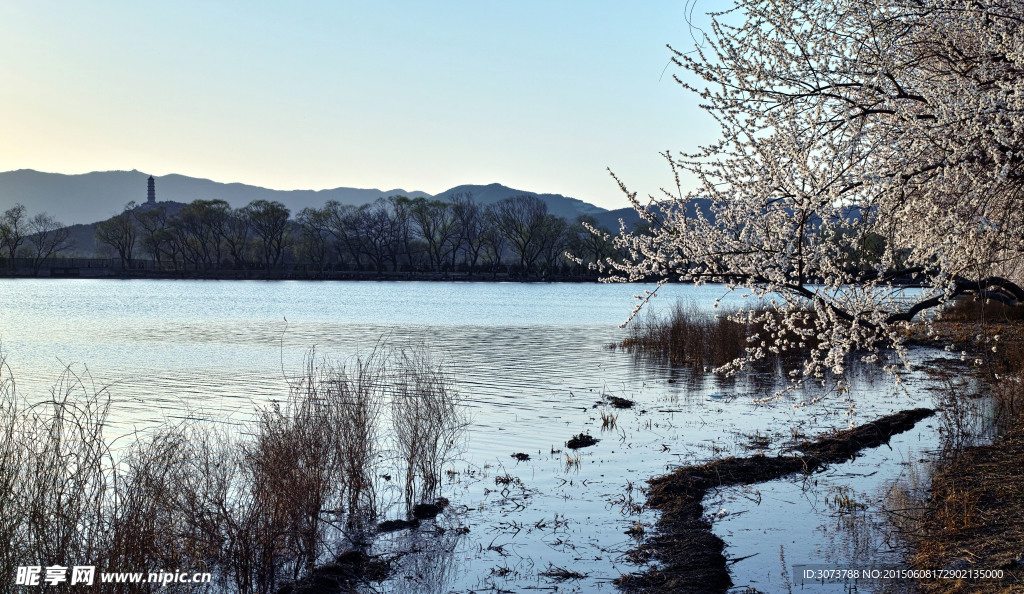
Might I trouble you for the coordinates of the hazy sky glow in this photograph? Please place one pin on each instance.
(420, 95)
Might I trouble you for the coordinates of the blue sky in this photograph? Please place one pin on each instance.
(420, 95)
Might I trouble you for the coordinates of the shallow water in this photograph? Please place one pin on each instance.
(532, 361)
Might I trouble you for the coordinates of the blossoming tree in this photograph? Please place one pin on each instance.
(864, 144)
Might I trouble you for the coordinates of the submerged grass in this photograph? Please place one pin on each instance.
(257, 509)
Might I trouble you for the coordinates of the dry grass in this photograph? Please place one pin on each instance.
(702, 341)
(428, 419)
(973, 518)
(54, 469)
(1008, 395)
(690, 337)
(972, 309)
(258, 509)
(989, 333)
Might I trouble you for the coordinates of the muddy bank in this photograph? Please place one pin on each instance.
(689, 555)
(975, 519)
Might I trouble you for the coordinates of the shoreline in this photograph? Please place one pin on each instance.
(973, 523)
(505, 277)
(691, 557)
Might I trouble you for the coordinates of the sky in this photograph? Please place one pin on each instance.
(540, 96)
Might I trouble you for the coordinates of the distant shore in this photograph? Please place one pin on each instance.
(112, 268)
(97, 272)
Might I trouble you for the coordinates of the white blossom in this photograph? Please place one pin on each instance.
(864, 143)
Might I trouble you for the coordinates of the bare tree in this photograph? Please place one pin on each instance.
(346, 223)
(494, 241)
(469, 217)
(553, 234)
(46, 237)
(401, 209)
(437, 227)
(12, 231)
(199, 229)
(119, 232)
(237, 237)
(156, 238)
(314, 237)
(521, 220)
(588, 244)
(269, 222)
(381, 234)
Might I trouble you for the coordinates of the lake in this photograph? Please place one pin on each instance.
(533, 361)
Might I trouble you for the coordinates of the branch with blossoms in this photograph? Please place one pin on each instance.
(865, 146)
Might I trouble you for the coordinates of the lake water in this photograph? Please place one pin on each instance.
(532, 361)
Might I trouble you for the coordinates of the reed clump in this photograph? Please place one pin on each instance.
(257, 508)
(703, 341)
(429, 419)
(54, 470)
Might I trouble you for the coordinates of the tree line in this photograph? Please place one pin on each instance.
(516, 235)
(35, 239)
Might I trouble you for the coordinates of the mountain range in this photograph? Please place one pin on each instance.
(90, 197)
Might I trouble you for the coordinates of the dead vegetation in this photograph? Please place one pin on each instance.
(259, 508)
(988, 334)
(702, 340)
(973, 518)
(561, 574)
(690, 556)
(428, 420)
(973, 310)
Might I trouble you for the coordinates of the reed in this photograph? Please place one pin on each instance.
(256, 508)
(704, 341)
(429, 421)
(55, 471)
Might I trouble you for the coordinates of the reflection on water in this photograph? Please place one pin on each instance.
(534, 364)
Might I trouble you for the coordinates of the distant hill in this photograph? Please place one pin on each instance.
(609, 219)
(562, 206)
(96, 196)
(91, 197)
